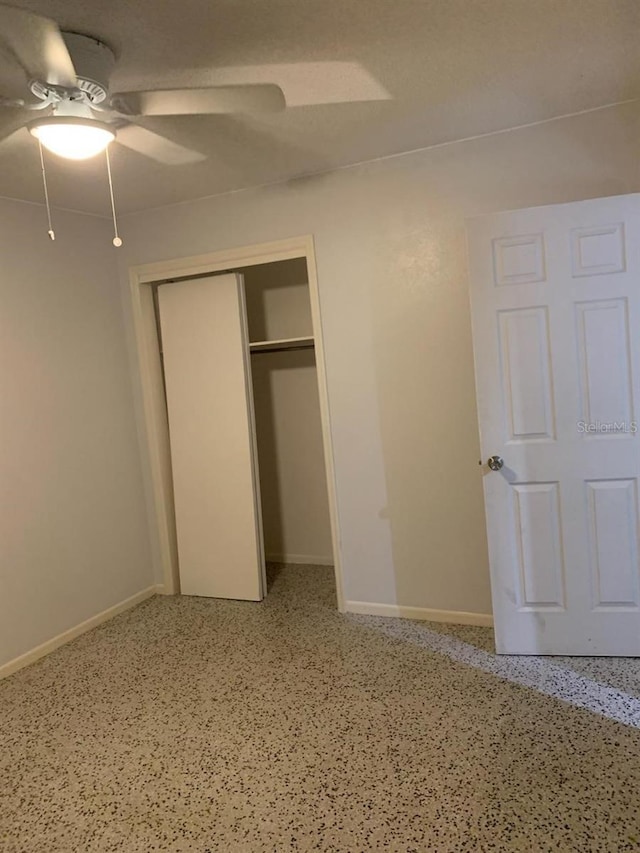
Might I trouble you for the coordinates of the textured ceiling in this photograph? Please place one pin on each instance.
(363, 79)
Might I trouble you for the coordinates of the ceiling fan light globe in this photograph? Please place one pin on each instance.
(73, 139)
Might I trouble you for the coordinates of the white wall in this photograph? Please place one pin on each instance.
(391, 253)
(74, 537)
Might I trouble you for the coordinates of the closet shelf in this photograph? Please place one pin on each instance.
(284, 344)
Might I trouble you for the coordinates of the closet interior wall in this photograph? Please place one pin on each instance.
(293, 484)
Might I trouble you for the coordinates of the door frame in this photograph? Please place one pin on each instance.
(154, 424)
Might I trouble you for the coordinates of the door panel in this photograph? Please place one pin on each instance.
(605, 364)
(613, 542)
(555, 296)
(524, 352)
(211, 435)
(539, 545)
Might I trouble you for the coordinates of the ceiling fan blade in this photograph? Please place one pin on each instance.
(157, 147)
(14, 141)
(37, 44)
(11, 122)
(251, 98)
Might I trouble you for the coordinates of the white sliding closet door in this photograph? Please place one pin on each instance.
(209, 401)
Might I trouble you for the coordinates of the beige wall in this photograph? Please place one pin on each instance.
(391, 255)
(295, 508)
(73, 537)
(278, 304)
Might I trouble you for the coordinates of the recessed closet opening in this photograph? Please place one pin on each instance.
(237, 421)
(293, 481)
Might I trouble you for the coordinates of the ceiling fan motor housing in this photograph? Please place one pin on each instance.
(93, 62)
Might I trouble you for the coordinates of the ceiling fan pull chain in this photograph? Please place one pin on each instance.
(50, 232)
(117, 240)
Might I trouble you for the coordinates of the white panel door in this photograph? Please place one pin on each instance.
(208, 384)
(555, 297)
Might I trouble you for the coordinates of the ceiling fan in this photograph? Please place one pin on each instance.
(68, 75)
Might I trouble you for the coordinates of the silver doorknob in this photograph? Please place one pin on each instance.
(495, 463)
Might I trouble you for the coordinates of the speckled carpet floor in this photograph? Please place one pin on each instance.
(191, 724)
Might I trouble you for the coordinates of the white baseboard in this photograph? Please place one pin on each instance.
(66, 636)
(300, 559)
(455, 617)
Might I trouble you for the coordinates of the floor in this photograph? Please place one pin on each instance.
(191, 724)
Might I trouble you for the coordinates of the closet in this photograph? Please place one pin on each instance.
(245, 427)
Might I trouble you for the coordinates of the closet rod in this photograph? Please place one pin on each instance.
(281, 349)
(281, 344)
